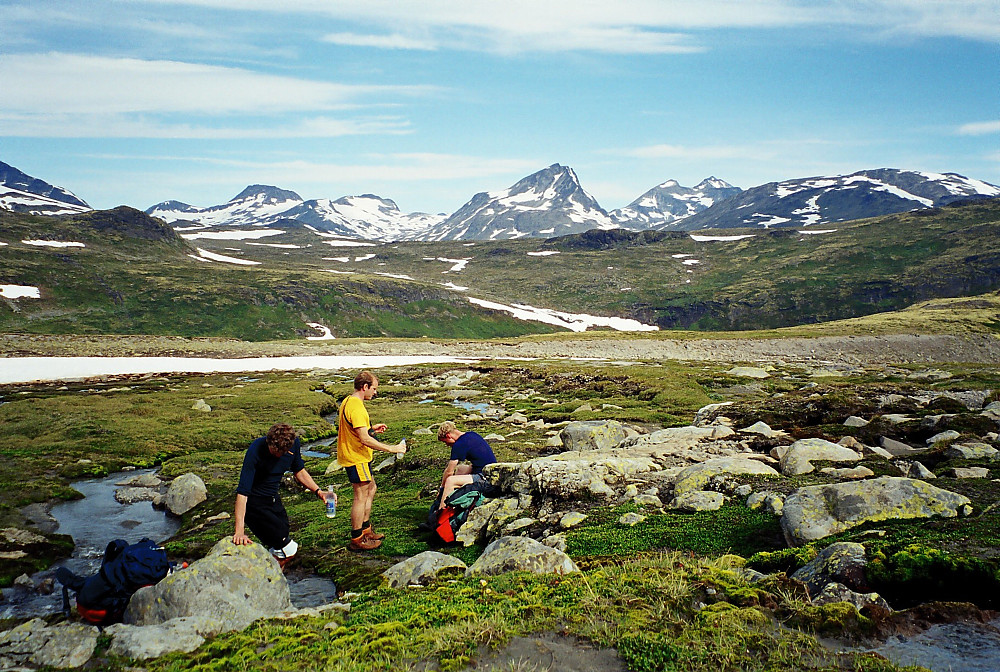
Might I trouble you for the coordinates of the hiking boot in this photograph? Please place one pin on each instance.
(372, 534)
(283, 562)
(364, 543)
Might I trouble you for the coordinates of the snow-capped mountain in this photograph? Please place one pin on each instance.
(823, 200)
(367, 216)
(22, 193)
(548, 203)
(669, 202)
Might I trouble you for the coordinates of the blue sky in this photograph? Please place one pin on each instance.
(139, 101)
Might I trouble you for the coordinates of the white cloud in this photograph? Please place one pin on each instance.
(380, 41)
(665, 151)
(980, 128)
(627, 26)
(83, 84)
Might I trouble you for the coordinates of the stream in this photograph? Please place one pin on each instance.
(97, 519)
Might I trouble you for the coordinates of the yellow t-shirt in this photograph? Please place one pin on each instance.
(350, 450)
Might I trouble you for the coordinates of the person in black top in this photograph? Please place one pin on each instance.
(258, 504)
(464, 446)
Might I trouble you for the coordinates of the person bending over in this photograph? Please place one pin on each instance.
(465, 446)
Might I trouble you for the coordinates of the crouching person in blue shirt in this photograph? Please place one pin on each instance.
(465, 446)
(258, 503)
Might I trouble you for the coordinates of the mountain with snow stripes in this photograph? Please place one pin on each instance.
(548, 203)
(669, 202)
(820, 201)
(22, 193)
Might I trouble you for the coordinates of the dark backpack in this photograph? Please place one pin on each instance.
(130, 567)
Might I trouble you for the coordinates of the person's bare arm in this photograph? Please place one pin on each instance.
(240, 537)
(449, 471)
(375, 444)
(303, 477)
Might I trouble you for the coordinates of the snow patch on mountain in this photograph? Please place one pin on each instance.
(669, 202)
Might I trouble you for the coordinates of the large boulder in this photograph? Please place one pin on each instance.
(697, 476)
(799, 456)
(232, 587)
(35, 643)
(521, 554)
(485, 519)
(593, 435)
(421, 569)
(185, 493)
(817, 511)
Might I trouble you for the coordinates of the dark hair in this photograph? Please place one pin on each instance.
(281, 437)
(364, 378)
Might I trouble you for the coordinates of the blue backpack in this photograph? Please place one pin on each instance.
(127, 568)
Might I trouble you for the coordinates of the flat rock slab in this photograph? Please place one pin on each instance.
(819, 511)
(695, 477)
(799, 456)
(421, 569)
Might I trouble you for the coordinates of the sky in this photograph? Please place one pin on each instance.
(134, 102)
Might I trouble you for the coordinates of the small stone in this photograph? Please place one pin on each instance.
(855, 421)
(970, 472)
(950, 435)
(572, 519)
(631, 519)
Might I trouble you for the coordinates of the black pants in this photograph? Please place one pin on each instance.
(266, 517)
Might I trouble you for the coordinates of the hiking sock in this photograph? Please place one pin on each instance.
(357, 533)
(366, 524)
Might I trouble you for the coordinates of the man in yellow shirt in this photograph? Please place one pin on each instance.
(354, 453)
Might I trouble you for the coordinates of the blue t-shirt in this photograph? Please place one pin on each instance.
(262, 471)
(472, 447)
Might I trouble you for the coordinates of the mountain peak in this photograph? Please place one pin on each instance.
(265, 191)
(712, 182)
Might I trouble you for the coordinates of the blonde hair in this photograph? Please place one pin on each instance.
(446, 428)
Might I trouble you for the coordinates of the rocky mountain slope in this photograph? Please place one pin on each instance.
(20, 192)
(817, 201)
(670, 202)
(548, 203)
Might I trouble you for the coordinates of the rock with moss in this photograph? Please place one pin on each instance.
(232, 586)
(913, 469)
(422, 569)
(698, 500)
(971, 451)
(143, 642)
(35, 643)
(593, 435)
(848, 474)
(837, 592)
(798, 458)
(486, 518)
(521, 554)
(818, 511)
(695, 477)
(970, 472)
(843, 562)
(185, 493)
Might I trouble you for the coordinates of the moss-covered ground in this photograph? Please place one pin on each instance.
(663, 593)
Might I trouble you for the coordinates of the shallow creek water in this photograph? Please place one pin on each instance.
(97, 519)
(948, 647)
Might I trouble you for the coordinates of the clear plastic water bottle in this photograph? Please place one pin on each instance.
(331, 502)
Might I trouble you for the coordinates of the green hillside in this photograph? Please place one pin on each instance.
(136, 276)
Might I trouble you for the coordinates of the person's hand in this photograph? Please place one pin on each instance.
(401, 448)
(241, 539)
(380, 427)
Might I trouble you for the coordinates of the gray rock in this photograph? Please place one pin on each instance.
(631, 519)
(798, 459)
(900, 449)
(853, 473)
(592, 435)
(34, 643)
(843, 562)
(744, 491)
(748, 372)
(556, 541)
(486, 518)
(422, 431)
(949, 435)
(855, 421)
(838, 592)
(143, 642)
(897, 418)
(141, 481)
(762, 429)
(200, 405)
(518, 524)
(970, 472)
(697, 476)
(818, 511)
(869, 451)
(131, 495)
(572, 519)
(648, 500)
(422, 569)
(185, 493)
(232, 586)
(495, 437)
(913, 469)
(699, 500)
(516, 418)
(705, 411)
(970, 451)
(521, 554)
(775, 503)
